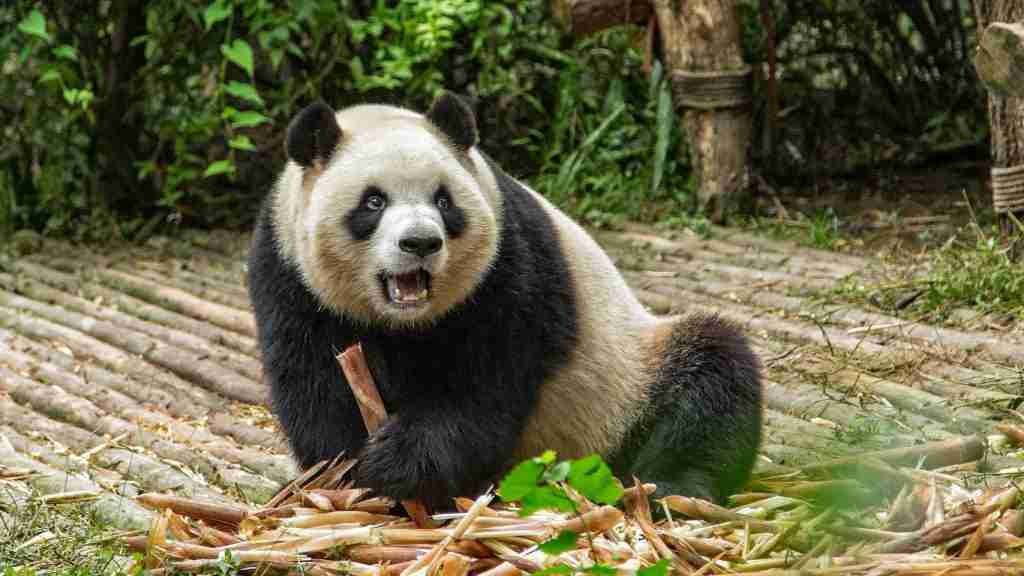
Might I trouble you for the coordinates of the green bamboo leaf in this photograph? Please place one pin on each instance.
(240, 53)
(51, 75)
(215, 13)
(34, 25)
(248, 119)
(665, 121)
(219, 167)
(66, 52)
(241, 142)
(243, 91)
(604, 127)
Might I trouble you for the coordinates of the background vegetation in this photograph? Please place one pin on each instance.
(127, 117)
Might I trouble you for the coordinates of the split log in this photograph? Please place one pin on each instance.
(653, 291)
(107, 355)
(245, 365)
(585, 17)
(111, 480)
(1000, 58)
(182, 302)
(690, 247)
(79, 412)
(247, 434)
(146, 395)
(186, 274)
(756, 241)
(220, 242)
(224, 316)
(17, 416)
(927, 456)
(148, 472)
(190, 365)
(136, 307)
(115, 510)
(714, 280)
(204, 451)
(231, 299)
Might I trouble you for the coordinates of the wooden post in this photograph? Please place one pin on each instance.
(999, 59)
(711, 83)
(701, 40)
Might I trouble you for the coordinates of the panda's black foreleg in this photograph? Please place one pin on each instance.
(439, 448)
(701, 435)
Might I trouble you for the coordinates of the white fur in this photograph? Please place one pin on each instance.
(397, 150)
(593, 401)
(400, 153)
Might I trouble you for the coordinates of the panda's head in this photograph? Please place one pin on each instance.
(391, 216)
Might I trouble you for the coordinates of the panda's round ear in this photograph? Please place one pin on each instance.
(455, 120)
(313, 135)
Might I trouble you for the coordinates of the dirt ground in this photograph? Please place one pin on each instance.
(136, 369)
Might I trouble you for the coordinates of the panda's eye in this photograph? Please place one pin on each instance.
(375, 202)
(443, 200)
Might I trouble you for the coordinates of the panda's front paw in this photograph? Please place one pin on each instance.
(400, 463)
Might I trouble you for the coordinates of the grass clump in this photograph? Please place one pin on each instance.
(38, 538)
(984, 275)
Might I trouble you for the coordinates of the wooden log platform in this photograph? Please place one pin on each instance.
(138, 365)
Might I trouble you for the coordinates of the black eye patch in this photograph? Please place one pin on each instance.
(362, 220)
(453, 216)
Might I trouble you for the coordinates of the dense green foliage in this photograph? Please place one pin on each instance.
(127, 117)
(131, 115)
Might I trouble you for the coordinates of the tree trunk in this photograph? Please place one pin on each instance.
(117, 130)
(1006, 117)
(701, 40)
(1000, 58)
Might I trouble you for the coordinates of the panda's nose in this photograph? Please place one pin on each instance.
(421, 246)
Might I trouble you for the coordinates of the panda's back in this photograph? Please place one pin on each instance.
(615, 340)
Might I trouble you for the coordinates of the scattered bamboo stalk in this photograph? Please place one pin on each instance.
(371, 407)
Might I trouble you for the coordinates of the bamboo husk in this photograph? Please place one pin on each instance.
(322, 524)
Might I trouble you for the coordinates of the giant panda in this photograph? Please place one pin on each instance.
(495, 327)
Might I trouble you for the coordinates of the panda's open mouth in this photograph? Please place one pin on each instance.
(407, 289)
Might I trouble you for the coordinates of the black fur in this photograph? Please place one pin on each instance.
(362, 221)
(458, 393)
(454, 217)
(455, 120)
(701, 435)
(312, 135)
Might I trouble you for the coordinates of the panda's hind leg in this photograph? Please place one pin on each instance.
(701, 431)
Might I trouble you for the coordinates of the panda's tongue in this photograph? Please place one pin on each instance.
(411, 287)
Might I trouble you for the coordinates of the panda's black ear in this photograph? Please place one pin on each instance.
(455, 119)
(313, 135)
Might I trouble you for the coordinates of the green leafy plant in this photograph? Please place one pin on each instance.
(188, 130)
(540, 483)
